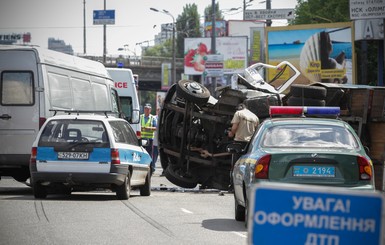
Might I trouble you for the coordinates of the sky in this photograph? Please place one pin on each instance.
(134, 21)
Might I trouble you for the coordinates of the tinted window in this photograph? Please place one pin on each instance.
(308, 136)
(123, 133)
(17, 88)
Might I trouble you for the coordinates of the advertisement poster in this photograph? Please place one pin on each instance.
(233, 49)
(321, 52)
(220, 28)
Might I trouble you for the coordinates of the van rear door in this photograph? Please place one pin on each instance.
(19, 106)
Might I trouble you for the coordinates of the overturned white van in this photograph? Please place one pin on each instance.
(32, 82)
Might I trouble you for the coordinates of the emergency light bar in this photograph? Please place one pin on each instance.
(304, 110)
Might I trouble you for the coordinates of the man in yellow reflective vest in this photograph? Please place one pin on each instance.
(148, 124)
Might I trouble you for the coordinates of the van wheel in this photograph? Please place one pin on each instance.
(123, 191)
(192, 91)
(146, 189)
(39, 191)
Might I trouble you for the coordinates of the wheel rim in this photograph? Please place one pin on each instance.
(194, 88)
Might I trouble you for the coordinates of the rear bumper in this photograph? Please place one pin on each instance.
(14, 160)
(116, 176)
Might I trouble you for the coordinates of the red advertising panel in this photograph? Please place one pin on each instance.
(233, 49)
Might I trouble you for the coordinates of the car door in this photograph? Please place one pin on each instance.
(130, 152)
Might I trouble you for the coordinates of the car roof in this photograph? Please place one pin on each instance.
(85, 117)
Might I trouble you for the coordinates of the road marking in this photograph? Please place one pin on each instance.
(186, 211)
(240, 234)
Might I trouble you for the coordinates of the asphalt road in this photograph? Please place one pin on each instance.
(171, 215)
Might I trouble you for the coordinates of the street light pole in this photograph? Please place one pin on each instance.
(173, 63)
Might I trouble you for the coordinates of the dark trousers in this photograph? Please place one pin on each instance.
(149, 151)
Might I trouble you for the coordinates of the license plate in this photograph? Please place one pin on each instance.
(73, 155)
(314, 171)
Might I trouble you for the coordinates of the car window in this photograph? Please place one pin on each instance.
(17, 88)
(123, 132)
(73, 130)
(308, 136)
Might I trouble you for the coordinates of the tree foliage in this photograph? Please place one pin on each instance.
(209, 13)
(321, 11)
(187, 25)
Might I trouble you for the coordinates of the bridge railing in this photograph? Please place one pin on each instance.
(150, 61)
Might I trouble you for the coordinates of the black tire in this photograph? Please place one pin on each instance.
(39, 191)
(192, 91)
(175, 176)
(297, 101)
(306, 91)
(123, 191)
(240, 212)
(146, 189)
(246, 211)
(260, 105)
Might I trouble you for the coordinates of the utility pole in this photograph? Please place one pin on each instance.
(84, 27)
(213, 34)
(268, 6)
(104, 38)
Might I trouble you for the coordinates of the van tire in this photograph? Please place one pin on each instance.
(123, 191)
(146, 189)
(39, 191)
(173, 174)
(198, 97)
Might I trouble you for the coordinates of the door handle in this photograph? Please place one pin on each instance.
(5, 117)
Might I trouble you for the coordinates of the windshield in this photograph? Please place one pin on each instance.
(302, 136)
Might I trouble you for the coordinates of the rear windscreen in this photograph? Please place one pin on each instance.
(57, 132)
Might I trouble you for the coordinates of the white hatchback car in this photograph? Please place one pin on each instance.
(79, 152)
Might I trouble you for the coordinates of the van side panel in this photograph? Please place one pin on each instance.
(19, 106)
(35, 80)
(128, 95)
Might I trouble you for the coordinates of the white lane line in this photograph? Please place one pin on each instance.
(240, 234)
(186, 211)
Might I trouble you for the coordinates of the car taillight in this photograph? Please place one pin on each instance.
(262, 167)
(115, 156)
(138, 134)
(365, 168)
(41, 121)
(33, 155)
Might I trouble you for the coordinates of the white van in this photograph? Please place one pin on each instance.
(33, 81)
(128, 96)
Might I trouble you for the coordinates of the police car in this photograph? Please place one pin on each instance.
(301, 145)
(83, 152)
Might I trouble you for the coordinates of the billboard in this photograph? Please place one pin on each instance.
(233, 49)
(220, 28)
(321, 52)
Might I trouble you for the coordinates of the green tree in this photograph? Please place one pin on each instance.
(321, 11)
(209, 13)
(187, 25)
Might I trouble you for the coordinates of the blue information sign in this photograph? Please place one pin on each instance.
(311, 215)
(104, 17)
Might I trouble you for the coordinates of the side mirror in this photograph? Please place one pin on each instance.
(143, 142)
(234, 148)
